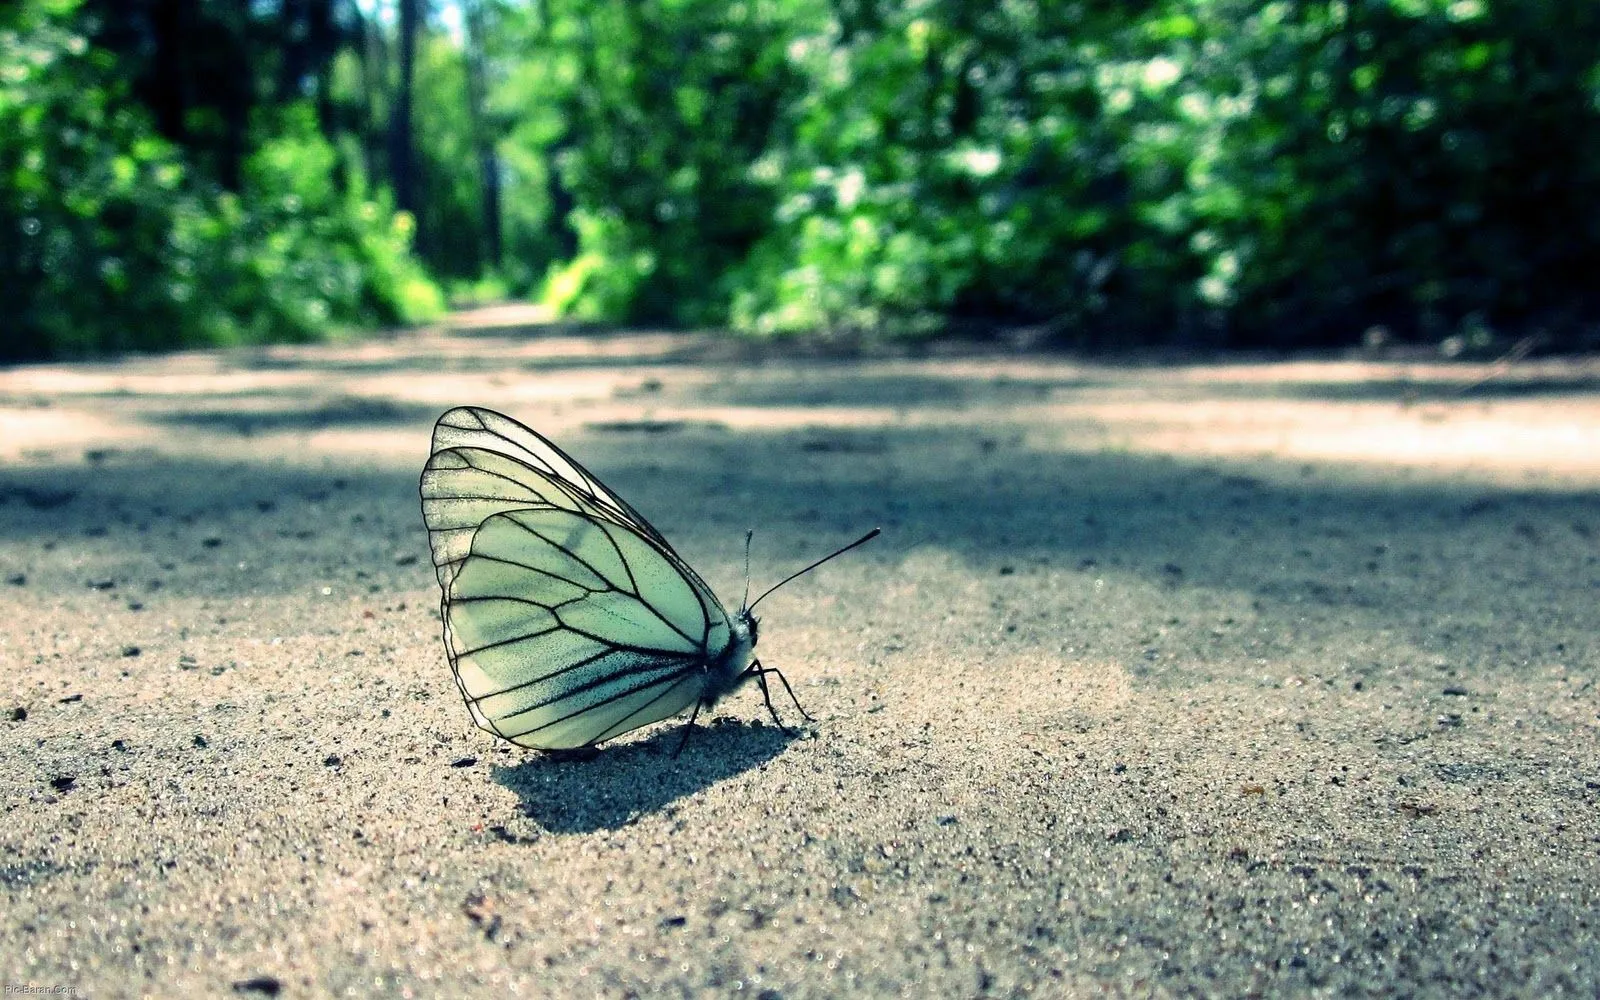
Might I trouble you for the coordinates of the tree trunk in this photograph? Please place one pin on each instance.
(374, 55)
(294, 53)
(477, 97)
(402, 169)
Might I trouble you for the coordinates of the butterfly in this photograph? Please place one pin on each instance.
(568, 618)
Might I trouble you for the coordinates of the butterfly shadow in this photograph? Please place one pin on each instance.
(612, 786)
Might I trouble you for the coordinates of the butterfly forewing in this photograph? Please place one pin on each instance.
(568, 620)
(472, 427)
(484, 463)
(464, 487)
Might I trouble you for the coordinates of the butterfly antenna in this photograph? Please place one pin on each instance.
(869, 536)
(744, 601)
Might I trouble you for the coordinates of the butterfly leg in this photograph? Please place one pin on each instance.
(687, 729)
(766, 695)
(761, 673)
(798, 707)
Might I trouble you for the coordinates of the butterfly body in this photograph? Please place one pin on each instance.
(568, 619)
(731, 669)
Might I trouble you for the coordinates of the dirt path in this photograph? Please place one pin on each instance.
(1255, 677)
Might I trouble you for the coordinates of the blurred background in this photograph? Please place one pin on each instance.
(1177, 172)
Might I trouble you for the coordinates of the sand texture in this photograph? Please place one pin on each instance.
(1164, 679)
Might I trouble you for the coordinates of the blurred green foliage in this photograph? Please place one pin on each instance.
(1200, 171)
(1208, 172)
(114, 237)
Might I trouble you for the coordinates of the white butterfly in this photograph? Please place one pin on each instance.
(568, 619)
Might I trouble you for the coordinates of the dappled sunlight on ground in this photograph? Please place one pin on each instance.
(1555, 442)
(1536, 422)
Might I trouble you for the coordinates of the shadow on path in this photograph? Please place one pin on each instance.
(1407, 391)
(332, 415)
(613, 785)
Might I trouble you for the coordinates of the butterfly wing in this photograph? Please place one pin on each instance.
(567, 618)
(483, 463)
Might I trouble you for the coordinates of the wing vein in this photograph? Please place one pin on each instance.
(674, 678)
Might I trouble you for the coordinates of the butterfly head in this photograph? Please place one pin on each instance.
(730, 668)
(747, 622)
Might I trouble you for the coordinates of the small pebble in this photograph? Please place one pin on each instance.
(265, 985)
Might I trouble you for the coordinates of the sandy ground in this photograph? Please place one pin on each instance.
(1270, 678)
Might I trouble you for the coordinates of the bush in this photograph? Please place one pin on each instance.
(110, 241)
(1198, 170)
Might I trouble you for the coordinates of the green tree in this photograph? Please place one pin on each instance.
(114, 236)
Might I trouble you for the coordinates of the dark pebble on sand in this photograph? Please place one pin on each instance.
(269, 986)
